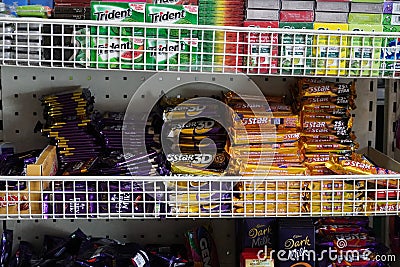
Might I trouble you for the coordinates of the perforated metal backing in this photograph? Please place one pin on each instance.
(144, 232)
(22, 88)
(392, 113)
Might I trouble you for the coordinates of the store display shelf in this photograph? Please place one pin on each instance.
(198, 48)
(201, 197)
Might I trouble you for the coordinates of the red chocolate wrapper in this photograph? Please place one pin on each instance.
(341, 229)
(296, 16)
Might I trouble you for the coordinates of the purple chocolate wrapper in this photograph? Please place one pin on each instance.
(69, 204)
(124, 197)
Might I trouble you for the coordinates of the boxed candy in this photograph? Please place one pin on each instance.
(257, 233)
(24, 197)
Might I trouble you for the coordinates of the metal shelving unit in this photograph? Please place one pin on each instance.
(220, 60)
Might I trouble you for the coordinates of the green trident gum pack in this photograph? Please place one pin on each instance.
(172, 55)
(174, 48)
(121, 47)
(171, 14)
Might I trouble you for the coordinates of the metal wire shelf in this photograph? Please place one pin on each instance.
(198, 48)
(200, 197)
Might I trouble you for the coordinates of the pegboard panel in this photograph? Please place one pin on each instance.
(22, 88)
(392, 113)
(365, 114)
(141, 231)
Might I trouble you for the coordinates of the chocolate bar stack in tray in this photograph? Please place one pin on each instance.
(326, 121)
(127, 158)
(72, 9)
(68, 117)
(75, 130)
(194, 146)
(265, 136)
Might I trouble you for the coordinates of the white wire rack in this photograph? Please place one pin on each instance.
(205, 49)
(225, 197)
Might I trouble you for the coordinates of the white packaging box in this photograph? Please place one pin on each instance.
(334, 17)
(333, 6)
(262, 14)
(264, 4)
(297, 5)
(372, 8)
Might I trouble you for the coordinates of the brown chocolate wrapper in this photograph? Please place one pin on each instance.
(346, 195)
(240, 137)
(275, 121)
(327, 147)
(280, 185)
(326, 89)
(232, 98)
(265, 147)
(272, 208)
(344, 101)
(332, 110)
(262, 196)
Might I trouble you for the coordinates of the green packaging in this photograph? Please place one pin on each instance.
(121, 47)
(390, 52)
(117, 52)
(331, 51)
(365, 48)
(117, 11)
(296, 50)
(390, 19)
(180, 54)
(171, 14)
(365, 18)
